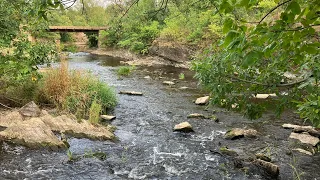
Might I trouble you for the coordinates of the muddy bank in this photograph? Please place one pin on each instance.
(139, 60)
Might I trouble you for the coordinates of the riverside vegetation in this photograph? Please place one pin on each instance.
(244, 47)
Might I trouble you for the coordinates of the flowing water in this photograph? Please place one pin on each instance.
(147, 146)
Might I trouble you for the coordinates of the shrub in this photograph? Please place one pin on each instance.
(309, 109)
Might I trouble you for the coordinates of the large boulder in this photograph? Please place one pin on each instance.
(83, 129)
(171, 51)
(30, 110)
(33, 133)
(11, 118)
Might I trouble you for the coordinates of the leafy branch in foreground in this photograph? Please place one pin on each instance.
(277, 54)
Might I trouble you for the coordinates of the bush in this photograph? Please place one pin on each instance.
(69, 48)
(309, 109)
(125, 70)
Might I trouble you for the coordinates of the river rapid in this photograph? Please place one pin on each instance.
(147, 147)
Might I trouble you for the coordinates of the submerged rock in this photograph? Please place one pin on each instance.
(33, 133)
(305, 138)
(270, 168)
(184, 127)
(170, 83)
(108, 117)
(263, 157)
(236, 133)
(202, 100)
(227, 151)
(30, 110)
(134, 93)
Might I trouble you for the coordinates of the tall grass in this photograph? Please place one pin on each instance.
(76, 91)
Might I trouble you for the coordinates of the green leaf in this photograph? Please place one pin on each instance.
(227, 25)
(294, 7)
(230, 37)
(251, 58)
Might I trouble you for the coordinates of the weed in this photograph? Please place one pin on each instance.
(181, 76)
(125, 70)
(94, 114)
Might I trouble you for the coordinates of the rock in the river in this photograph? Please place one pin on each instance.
(196, 115)
(298, 129)
(269, 167)
(236, 133)
(108, 117)
(84, 129)
(263, 157)
(30, 110)
(305, 138)
(33, 133)
(134, 93)
(170, 83)
(303, 151)
(202, 100)
(184, 127)
(38, 131)
(11, 118)
(183, 88)
(227, 151)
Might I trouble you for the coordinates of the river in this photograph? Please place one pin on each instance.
(147, 148)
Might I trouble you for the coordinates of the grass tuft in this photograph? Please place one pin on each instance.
(125, 70)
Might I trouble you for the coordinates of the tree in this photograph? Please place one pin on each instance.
(257, 54)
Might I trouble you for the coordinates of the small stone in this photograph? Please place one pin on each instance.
(183, 88)
(293, 126)
(263, 157)
(133, 93)
(303, 151)
(305, 138)
(184, 127)
(265, 96)
(108, 117)
(236, 133)
(170, 83)
(195, 115)
(30, 110)
(147, 77)
(202, 100)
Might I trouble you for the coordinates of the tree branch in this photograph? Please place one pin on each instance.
(273, 9)
(270, 85)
